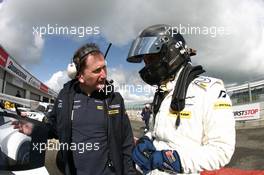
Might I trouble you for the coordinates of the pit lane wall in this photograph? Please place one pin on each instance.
(246, 115)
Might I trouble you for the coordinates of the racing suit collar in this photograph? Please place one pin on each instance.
(169, 85)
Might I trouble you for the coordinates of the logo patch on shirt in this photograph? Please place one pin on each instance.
(60, 104)
(189, 101)
(183, 114)
(203, 82)
(99, 107)
(115, 111)
(222, 94)
(98, 101)
(114, 106)
(76, 106)
(222, 105)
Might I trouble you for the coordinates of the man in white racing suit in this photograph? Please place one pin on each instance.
(193, 127)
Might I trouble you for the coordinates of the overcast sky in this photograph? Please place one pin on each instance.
(234, 54)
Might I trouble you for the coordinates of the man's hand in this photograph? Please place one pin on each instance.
(23, 114)
(142, 153)
(23, 127)
(166, 160)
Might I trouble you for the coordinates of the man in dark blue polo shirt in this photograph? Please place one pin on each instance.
(89, 132)
(92, 118)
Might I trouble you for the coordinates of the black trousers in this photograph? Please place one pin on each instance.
(147, 123)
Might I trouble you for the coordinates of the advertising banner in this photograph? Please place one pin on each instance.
(3, 57)
(34, 82)
(247, 112)
(44, 88)
(15, 69)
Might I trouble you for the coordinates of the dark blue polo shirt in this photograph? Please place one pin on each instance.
(89, 134)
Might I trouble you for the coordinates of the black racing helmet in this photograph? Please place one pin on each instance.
(168, 44)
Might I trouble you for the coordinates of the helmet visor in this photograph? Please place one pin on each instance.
(142, 46)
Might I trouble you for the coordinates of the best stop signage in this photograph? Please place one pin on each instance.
(247, 112)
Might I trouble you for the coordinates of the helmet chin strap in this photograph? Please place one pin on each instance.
(187, 75)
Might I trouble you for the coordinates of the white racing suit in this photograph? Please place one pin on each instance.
(205, 138)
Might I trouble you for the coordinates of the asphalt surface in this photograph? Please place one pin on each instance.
(249, 152)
